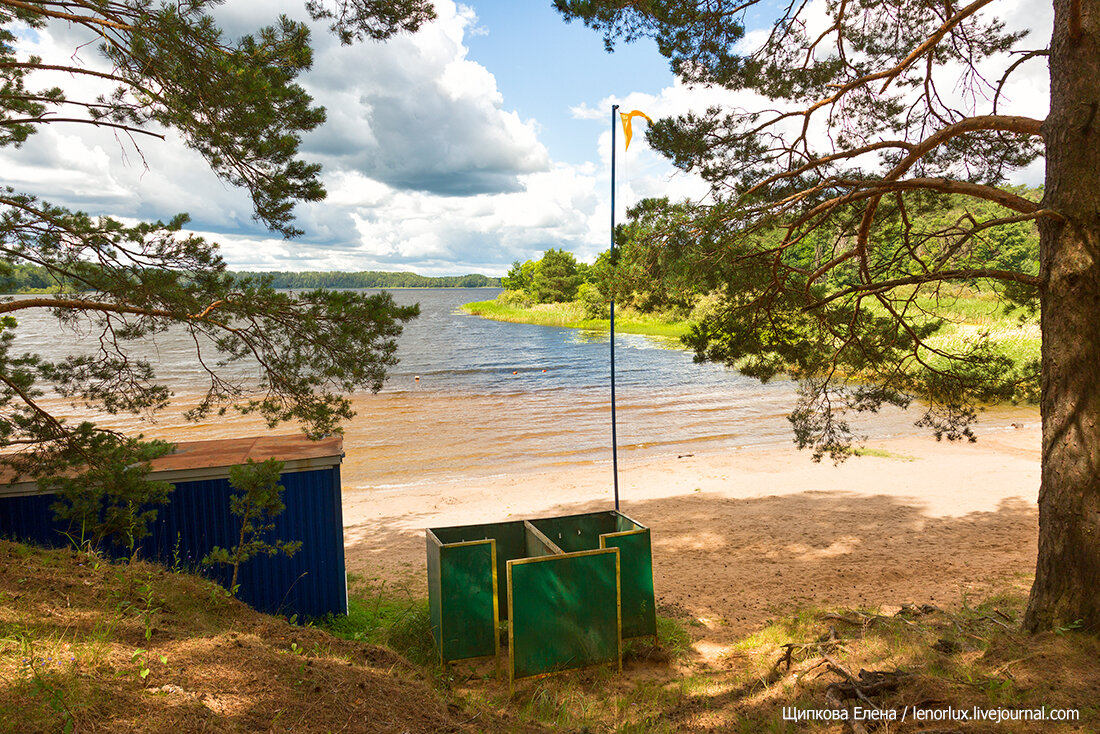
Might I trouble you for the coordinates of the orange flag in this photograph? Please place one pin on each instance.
(627, 117)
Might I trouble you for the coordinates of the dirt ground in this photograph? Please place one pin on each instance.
(744, 536)
(90, 646)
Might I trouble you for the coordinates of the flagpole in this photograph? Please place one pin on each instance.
(614, 437)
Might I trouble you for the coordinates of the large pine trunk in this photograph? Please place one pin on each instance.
(1067, 576)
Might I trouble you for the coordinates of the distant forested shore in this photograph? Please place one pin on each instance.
(24, 278)
(373, 279)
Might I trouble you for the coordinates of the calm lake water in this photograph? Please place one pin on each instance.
(470, 416)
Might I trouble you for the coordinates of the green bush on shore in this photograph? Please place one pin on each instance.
(574, 315)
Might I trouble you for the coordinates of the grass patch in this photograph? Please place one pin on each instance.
(968, 315)
(571, 315)
(924, 658)
(390, 616)
(673, 636)
(882, 454)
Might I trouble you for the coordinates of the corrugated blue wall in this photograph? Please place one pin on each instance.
(197, 518)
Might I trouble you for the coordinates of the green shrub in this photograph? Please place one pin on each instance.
(593, 301)
(556, 278)
(113, 501)
(519, 299)
(707, 306)
(257, 501)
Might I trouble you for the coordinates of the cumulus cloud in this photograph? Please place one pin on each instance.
(417, 114)
(409, 121)
(426, 165)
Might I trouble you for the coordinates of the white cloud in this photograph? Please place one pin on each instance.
(427, 167)
(423, 161)
(417, 114)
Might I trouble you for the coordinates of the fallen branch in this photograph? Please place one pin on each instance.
(1005, 668)
(832, 700)
(853, 689)
(826, 643)
(860, 619)
(994, 620)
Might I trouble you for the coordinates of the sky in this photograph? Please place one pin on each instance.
(483, 139)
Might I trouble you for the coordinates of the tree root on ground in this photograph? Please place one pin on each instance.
(811, 660)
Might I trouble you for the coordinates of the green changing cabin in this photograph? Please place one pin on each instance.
(572, 588)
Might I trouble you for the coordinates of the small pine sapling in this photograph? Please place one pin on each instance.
(112, 500)
(257, 502)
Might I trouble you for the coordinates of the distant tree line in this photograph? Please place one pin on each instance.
(373, 279)
(27, 278)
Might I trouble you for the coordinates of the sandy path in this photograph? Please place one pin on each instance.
(741, 536)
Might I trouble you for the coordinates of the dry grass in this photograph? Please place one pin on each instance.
(86, 645)
(960, 659)
(90, 646)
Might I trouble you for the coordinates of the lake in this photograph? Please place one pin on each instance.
(497, 398)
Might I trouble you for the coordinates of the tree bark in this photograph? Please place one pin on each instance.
(1067, 575)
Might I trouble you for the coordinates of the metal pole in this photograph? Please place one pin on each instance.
(614, 437)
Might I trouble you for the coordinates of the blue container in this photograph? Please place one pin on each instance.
(310, 584)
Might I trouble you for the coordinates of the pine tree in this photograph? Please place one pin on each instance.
(870, 116)
(237, 102)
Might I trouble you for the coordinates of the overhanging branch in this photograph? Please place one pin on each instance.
(71, 17)
(84, 121)
(943, 275)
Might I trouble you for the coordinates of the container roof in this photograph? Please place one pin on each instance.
(232, 451)
(199, 460)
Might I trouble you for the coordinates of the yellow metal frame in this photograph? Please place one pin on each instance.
(620, 534)
(545, 539)
(496, 598)
(557, 553)
(640, 526)
(511, 618)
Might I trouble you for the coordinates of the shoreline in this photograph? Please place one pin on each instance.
(570, 315)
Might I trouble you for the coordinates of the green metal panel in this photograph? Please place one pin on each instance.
(564, 612)
(583, 583)
(511, 540)
(613, 529)
(538, 544)
(636, 581)
(468, 600)
(624, 523)
(578, 532)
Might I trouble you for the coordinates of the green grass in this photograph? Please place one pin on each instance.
(673, 636)
(385, 616)
(90, 645)
(973, 656)
(962, 658)
(882, 454)
(94, 666)
(571, 315)
(967, 314)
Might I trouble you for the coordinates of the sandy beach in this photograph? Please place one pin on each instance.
(741, 536)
